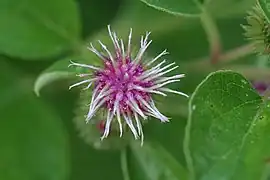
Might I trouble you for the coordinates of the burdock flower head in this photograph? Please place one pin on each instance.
(258, 30)
(124, 86)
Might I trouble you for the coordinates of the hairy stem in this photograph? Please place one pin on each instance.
(249, 71)
(124, 164)
(227, 57)
(213, 36)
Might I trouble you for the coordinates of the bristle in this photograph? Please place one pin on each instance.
(257, 30)
(124, 86)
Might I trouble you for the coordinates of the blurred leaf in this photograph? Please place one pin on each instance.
(60, 70)
(49, 77)
(218, 8)
(153, 162)
(188, 43)
(93, 163)
(265, 5)
(227, 133)
(176, 7)
(266, 174)
(33, 29)
(169, 135)
(223, 9)
(87, 162)
(33, 139)
(90, 10)
(139, 15)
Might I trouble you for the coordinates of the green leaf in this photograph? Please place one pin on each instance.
(221, 9)
(176, 7)
(265, 5)
(217, 8)
(152, 162)
(33, 29)
(33, 139)
(266, 174)
(89, 163)
(47, 78)
(165, 134)
(256, 149)
(228, 129)
(86, 161)
(60, 70)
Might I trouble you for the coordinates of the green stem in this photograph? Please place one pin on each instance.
(225, 58)
(251, 72)
(213, 36)
(124, 165)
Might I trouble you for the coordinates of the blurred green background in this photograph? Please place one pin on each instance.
(38, 138)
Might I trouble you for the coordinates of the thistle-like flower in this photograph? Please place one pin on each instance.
(258, 30)
(124, 86)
